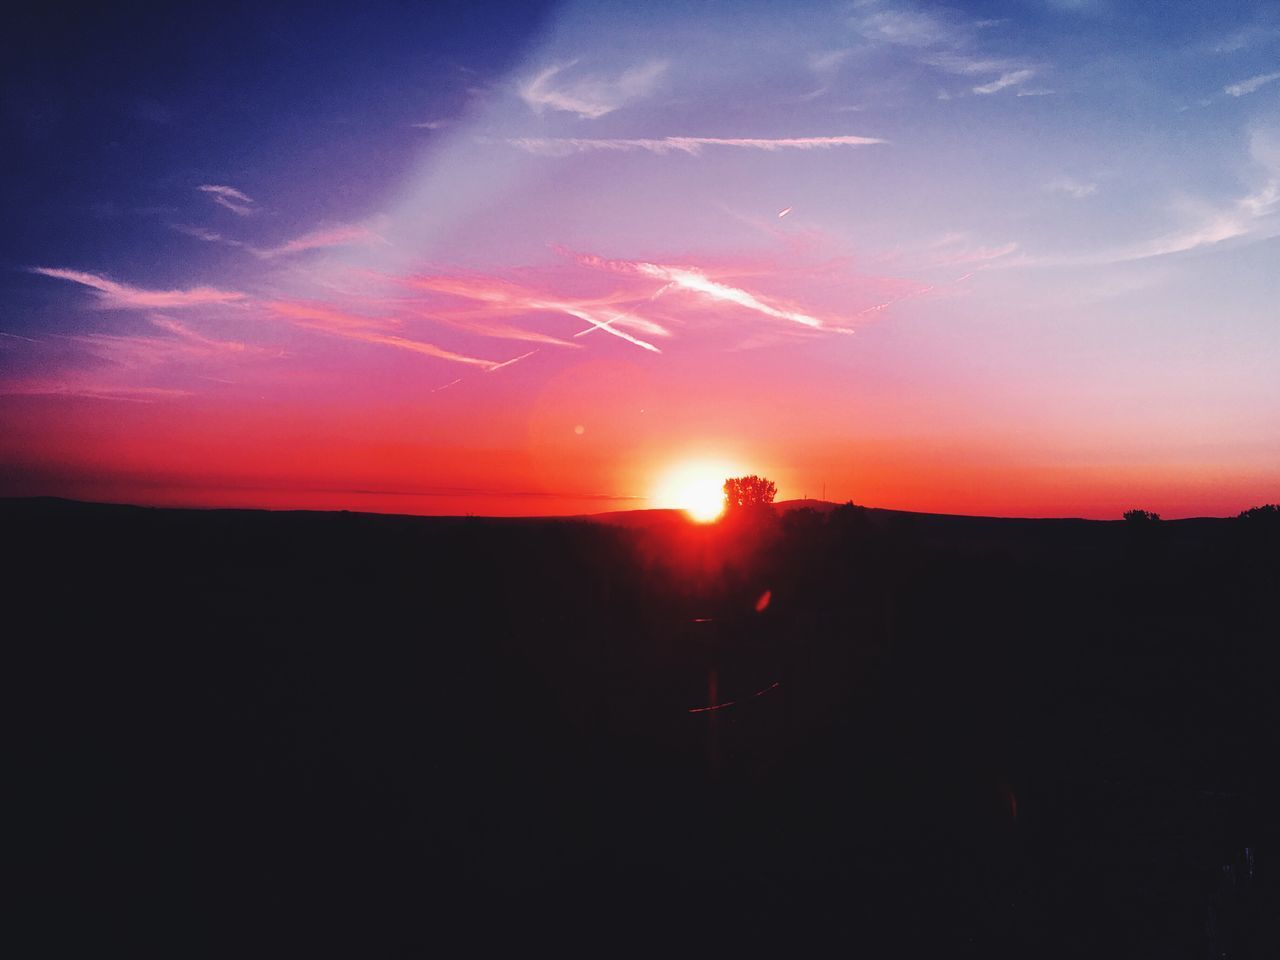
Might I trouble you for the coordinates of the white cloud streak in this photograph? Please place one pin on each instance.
(1245, 87)
(1005, 80)
(945, 42)
(693, 146)
(696, 281)
(693, 280)
(114, 294)
(589, 97)
(907, 28)
(229, 197)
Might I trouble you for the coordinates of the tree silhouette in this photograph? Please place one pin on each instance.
(1267, 513)
(1140, 516)
(746, 492)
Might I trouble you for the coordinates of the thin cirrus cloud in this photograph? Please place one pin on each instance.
(229, 197)
(692, 280)
(205, 234)
(910, 28)
(1071, 187)
(589, 97)
(622, 312)
(325, 319)
(347, 235)
(507, 297)
(981, 254)
(199, 340)
(114, 294)
(122, 359)
(1239, 221)
(564, 146)
(1245, 87)
(1250, 217)
(1009, 73)
(139, 351)
(87, 389)
(947, 43)
(1010, 79)
(343, 235)
(496, 330)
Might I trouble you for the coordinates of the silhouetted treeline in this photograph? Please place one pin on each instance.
(278, 733)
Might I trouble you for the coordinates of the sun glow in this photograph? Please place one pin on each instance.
(696, 487)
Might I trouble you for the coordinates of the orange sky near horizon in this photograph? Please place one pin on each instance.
(163, 454)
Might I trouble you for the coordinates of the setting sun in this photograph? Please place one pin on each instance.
(696, 487)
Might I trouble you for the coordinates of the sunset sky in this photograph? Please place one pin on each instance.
(1013, 258)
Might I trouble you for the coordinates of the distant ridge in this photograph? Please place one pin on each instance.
(626, 518)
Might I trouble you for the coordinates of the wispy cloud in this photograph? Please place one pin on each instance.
(508, 296)
(589, 97)
(910, 28)
(198, 339)
(1245, 87)
(229, 197)
(506, 363)
(325, 319)
(200, 233)
(184, 346)
(946, 42)
(828, 61)
(1005, 80)
(1245, 37)
(473, 319)
(693, 280)
(824, 66)
(430, 125)
(88, 389)
(1009, 73)
(341, 235)
(344, 235)
(1071, 187)
(205, 234)
(495, 329)
(962, 255)
(118, 366)
(1251, 216)
(114, 294)
(564, 146)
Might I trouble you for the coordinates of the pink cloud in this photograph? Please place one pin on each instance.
(510, 297)
(341, 236)
(352, 327)
(122, 295)
(693, 280)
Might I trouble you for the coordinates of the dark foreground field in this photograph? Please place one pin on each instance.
(275, 734)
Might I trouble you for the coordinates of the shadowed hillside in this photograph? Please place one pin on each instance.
(276, 732)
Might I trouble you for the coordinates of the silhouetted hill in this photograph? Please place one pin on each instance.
(269, 733)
